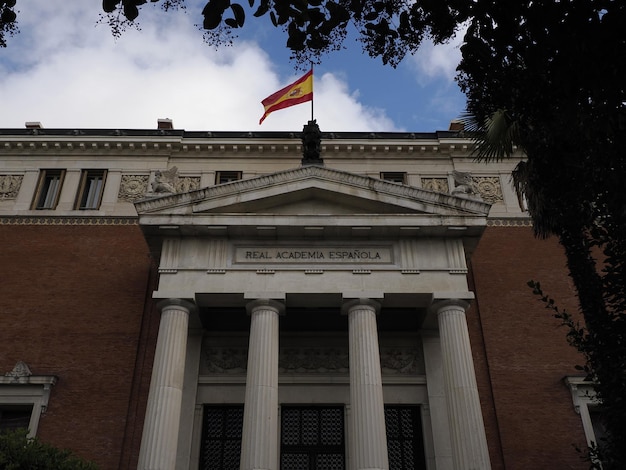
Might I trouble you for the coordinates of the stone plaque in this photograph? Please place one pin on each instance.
(376, 254)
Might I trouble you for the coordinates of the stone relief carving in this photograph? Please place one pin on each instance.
(133, 187)
(393, 361)
(187, 183)
(489, 188)
(439, 185)
(165, 181)
(19, 372)
(10, 186)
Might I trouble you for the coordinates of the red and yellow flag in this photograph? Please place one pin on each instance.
(298, 92)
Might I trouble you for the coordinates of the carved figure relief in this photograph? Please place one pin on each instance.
(393, 361)
(133, 187)
(187, 183)
(10, 186)
(439, 185)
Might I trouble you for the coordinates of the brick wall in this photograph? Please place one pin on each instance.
(521, 352)
(72, 300)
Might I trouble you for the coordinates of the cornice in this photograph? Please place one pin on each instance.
(243, 144)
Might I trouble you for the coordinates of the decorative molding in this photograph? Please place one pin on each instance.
(20, 372)
(10, 186)
(306, 360)
(133, 187)
(185, 184)
(439, 185)
(27, 220)
(509, 222)
(489, 188)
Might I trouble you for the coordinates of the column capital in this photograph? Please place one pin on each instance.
(349, 304)
(173, 302)
(440, 304)
(277, 306)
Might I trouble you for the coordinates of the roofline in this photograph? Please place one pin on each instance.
(181, 133)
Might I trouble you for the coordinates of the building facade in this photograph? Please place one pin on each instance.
(183, 300)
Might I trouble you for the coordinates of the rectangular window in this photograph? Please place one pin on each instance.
(15, 416)
(227, 176)
(90, 189)
(312, 438)
(405, 444)
(48, 189)
(221, 437)
(394, 176)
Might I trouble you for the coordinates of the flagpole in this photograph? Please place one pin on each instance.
(312, 90)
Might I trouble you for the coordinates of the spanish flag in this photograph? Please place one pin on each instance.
(298, 92)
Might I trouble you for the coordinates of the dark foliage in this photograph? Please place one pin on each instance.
(19, 452)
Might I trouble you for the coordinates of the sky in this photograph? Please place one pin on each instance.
(66, 70)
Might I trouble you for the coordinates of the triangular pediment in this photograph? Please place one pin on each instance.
(315, 191)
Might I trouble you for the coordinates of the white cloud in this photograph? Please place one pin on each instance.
(67, 72)
(433, 62)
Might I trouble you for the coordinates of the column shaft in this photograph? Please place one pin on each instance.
(259, 444)
(367, 415)
(160, 432)
(467, 430)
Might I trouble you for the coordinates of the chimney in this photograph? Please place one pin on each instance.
(456, 126)
(33, 125)
(165, 124)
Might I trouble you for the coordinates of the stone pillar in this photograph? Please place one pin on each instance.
(160, 430)
(467, 430)
(259, 441)
(367, 417)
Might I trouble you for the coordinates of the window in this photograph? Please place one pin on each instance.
(221, 437)
(15, 416)
(227, 176)
(23, 398)
(394, 176)
(48, 189)
(90, 189)
(587, 406)
(312, 438)
(404, 438)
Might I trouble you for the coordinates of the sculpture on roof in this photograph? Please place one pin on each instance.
(312, 144)
(464, 186)
(165, 181)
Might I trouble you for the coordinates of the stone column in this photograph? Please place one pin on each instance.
(467, 430)
(259, 441)
(160, 430)
(367, 417)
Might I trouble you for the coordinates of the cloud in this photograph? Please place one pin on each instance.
(67, 72)
(433, 62)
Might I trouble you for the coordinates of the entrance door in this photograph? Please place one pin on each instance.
(312, 438)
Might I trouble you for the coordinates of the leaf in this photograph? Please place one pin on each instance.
(231, 22)
(110, 5)
(240, 15)
(264, 6)
(131, 11)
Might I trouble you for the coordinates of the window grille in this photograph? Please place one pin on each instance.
(221, 437)
(394, 176)
(312, 438)
(404, 438)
